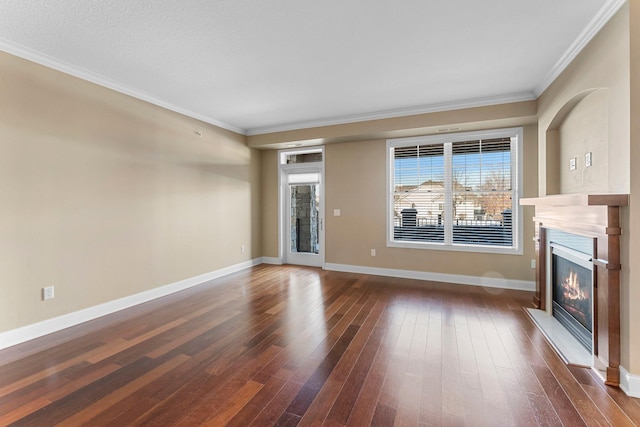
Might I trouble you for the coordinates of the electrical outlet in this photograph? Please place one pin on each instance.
(373, 252)
(47, 293)
(587, 160)
(242, 249)
(533, 263)
(336, 212)
(572, 164)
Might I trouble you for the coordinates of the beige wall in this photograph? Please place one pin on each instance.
(270, 203)
(631, 291)
(585, 130)
(355, 177)
(104, 196)
(361, 197)
(356, 184)
(598, 79)
(597, 83)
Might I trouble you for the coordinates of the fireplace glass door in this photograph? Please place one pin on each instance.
(572, 284)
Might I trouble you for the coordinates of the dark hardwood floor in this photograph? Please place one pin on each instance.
(301, 346)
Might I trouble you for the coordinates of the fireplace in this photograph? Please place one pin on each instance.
(596, 217)
(572, 292)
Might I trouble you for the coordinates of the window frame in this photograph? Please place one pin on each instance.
(516, 176)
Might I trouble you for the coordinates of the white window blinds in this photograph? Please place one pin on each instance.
(454, 193)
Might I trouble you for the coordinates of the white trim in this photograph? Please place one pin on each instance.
(490, 282)
(283, 204)
(271, 260)
(448, 198)
(281, 180)
(497, 250)
(400, 112)
(73, 70)
(602, 17)
(518, 226)
(45, 327)
(322, 211)
(629, 383)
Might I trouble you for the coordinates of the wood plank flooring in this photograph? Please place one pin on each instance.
(285, 345)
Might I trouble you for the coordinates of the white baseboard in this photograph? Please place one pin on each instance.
(29, 332)
(271, 260)
(491, 282)
(629, 383)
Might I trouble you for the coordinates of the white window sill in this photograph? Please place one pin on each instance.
(456, 248)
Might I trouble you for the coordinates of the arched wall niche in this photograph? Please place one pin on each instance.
(580, 126)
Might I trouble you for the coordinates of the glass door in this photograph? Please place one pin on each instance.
(303, 219)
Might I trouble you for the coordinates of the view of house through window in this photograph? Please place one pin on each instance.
(455, 190)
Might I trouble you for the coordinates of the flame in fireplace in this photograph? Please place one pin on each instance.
(571, 287)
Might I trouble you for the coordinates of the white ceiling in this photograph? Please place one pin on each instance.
(259, 66)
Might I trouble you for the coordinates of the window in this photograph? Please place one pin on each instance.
(305, 155)
(456, 191)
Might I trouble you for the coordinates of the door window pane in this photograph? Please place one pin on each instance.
(305, 237)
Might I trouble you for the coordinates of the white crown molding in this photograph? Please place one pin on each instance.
(36, 330)
(602, 17)
(629, 383)
(64, 67)
(595, 25)
(400, 112)
(490, 282)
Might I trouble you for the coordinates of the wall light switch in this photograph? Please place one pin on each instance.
(572, 164)
(587, 160)
(48, 293)
(336, 212)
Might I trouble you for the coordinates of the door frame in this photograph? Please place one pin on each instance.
(283, 191)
